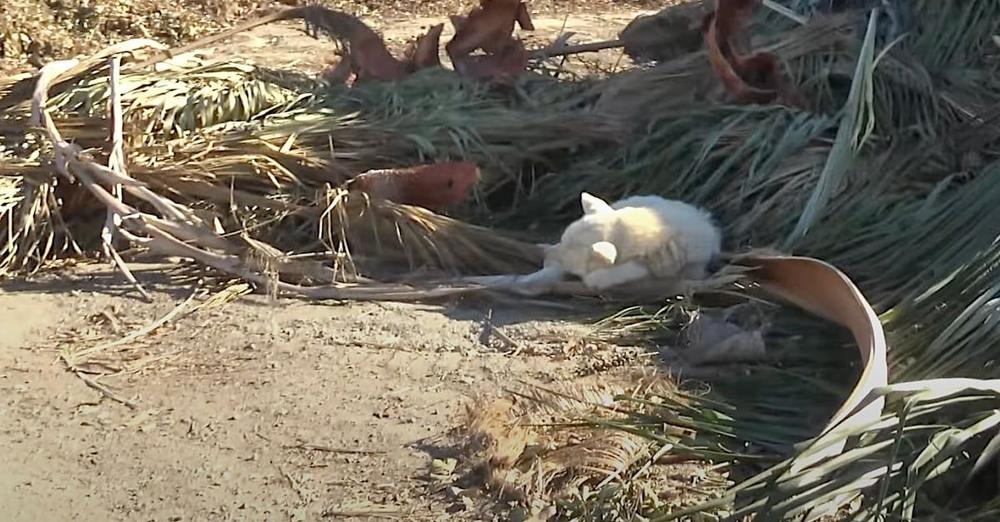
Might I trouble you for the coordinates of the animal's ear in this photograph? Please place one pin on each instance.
(604, 253)
(592, 204)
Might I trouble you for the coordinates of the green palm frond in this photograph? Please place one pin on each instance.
(951, 328)
(901, 466)
(855, 127)
(437, 116)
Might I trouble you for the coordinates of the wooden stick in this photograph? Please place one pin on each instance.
(565, 50)
(116, 163)
(331, 449)
(115, 157)
(104, 390)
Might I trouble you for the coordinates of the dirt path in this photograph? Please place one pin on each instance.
(256, 410)
(287, 45)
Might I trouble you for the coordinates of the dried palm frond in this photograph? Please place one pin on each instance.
(555, 445)
(10, 193)
(172, 228)
(33, 225)
(185, 98)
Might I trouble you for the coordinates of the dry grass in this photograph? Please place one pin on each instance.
(555, 446)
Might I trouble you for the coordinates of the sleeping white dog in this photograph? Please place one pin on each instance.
(637, 238)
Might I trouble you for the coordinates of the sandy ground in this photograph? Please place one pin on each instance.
(286, 44)
(259, 409)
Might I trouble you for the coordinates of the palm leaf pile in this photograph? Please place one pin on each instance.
(890, 172)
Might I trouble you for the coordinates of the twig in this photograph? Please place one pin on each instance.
(359, 513)
(166, 54)
(144, 330)
(116, 163)
(655, 459)
(491, 329)
(559, 48)
(330, 449)
(510, 343)
(103, 389)
(294, 484)
(117, 155)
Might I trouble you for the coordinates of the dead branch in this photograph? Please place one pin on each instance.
(179, 231)
(168, 53)
(561, 49)
(116, 163)
(145, 330)
(330, 449)
(104, 390)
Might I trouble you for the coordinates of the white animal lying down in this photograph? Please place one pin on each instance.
(633, 239)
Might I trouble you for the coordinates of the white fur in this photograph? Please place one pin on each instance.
(634, 239)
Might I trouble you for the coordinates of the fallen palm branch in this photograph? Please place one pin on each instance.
(20, 90)
(179, 231)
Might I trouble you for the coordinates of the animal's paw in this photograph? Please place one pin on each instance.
(531, 290)
(605, 278)
(599, 280)
(540, 282)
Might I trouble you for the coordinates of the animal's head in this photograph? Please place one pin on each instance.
(584, 247)
(579, 255)
(441, 185)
